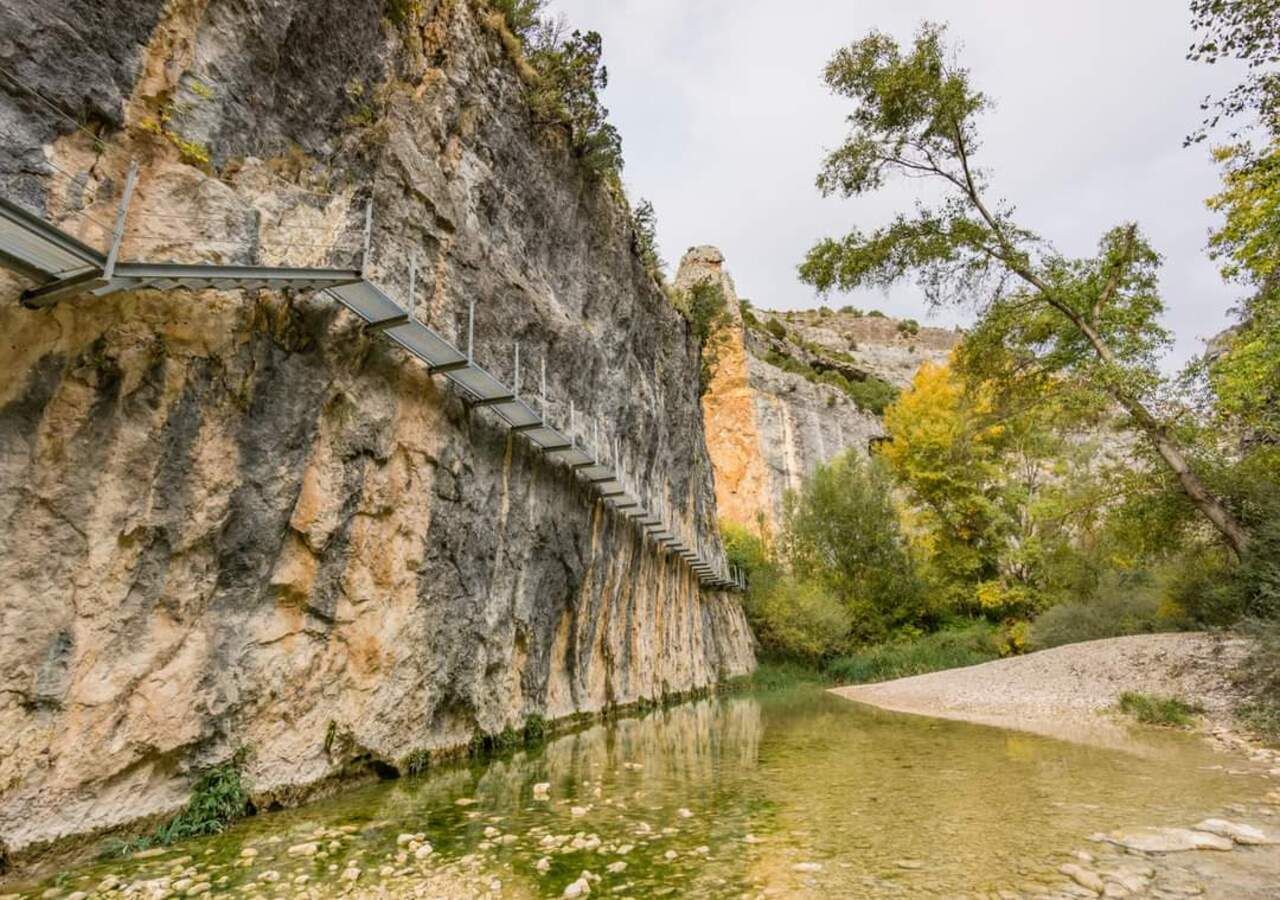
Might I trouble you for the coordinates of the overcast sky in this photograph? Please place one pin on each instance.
(725, 119)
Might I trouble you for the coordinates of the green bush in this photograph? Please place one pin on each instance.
(567, 95)
(873, 395)
(975, 643)
(908, 327)
(777, 329)
(1121, 604)
(707, 310)
(521, 16)
(644, 228)
(876, 314)
(841, 530)
(1152, 710)
(798, 619)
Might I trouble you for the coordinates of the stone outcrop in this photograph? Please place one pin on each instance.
(768, 427)
(235, 520)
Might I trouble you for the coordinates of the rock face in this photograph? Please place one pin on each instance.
(235, 520)
(769, 427)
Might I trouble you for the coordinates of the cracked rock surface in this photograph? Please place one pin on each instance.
(235, 519)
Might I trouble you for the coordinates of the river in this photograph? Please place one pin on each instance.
(794, 793)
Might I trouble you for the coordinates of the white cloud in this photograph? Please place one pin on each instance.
(724, 121)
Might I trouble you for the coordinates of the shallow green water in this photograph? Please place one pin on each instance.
(721, 797)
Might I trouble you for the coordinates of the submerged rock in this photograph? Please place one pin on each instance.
(1241, 834)
(1086, 878)
(1167, 840)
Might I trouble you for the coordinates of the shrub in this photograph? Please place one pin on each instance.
(567, 94)
(851, 311)
(908, 327)
(777, 329)
(798, 619)
(1153, 710)
(707, 310)
(1121, 604)
(644, 228)
(521, 16)
(876, 314)
(872, 394)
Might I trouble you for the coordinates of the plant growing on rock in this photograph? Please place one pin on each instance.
(705, 307)
(567, 96)
(1090, 321)
(644, 229)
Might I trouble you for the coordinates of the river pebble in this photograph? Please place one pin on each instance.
(1084, 877)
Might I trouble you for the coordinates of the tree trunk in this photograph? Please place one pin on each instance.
(1201, 497)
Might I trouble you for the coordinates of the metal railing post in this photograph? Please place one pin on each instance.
(413, 281)
(368, 237)
(471, 331)
(117, 233)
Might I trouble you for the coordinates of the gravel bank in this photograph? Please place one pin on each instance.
(1061, 692)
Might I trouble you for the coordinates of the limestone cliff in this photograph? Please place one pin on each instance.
(779, 402)
(236, 520)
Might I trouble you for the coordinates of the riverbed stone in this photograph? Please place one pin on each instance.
(1167, 840)
(310, 848)
(808, 867)
(1236, 831)
(1086, 878)
(579, 888)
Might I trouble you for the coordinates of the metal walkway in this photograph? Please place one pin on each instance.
(62, 266)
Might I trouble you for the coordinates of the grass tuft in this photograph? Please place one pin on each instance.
(1150, 709)
(948, 649)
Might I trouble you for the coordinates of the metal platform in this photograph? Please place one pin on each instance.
(63, 267)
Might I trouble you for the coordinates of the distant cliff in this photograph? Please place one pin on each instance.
(791, 390)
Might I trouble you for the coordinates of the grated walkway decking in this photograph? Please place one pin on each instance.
(62, 266)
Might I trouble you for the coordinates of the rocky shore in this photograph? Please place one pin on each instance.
(1070, 693)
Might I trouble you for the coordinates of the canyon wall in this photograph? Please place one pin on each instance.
(768, 426)
(236, 520)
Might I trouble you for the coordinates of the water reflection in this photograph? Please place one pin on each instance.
(799, 794)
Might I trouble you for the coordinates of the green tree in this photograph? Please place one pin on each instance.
(567, 95)
(1245, 375)
(1245, 30)
(1092, 320)
(840, 531)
